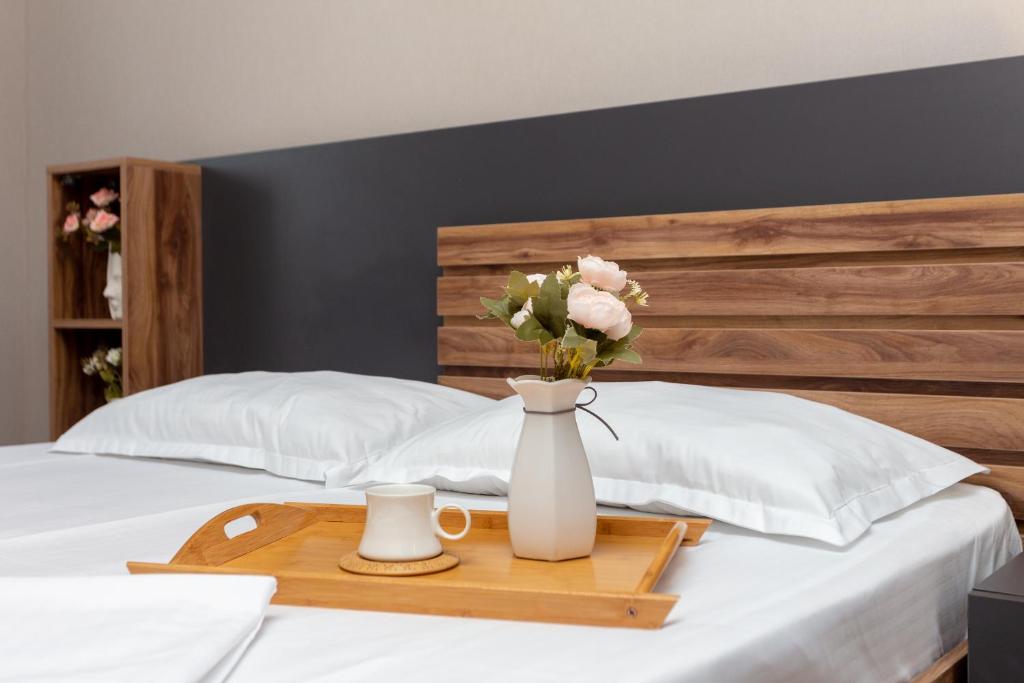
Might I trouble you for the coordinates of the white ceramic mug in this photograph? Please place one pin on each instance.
(402, 524)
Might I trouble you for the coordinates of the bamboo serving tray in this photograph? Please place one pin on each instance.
(300, 544)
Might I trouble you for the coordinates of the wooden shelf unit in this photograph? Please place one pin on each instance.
(161, 331)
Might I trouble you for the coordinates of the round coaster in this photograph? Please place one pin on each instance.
(352, 562)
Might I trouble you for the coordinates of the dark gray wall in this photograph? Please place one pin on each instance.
(323, 256)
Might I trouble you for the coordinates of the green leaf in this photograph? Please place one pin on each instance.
(604, 345)
(519, 289)
(550, 308)
(608, 350)
(496, 308)
(633, 333)
(532, 330)
(627, 356)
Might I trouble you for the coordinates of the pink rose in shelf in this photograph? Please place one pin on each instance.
(103, 221)
(103, 198)
(71, 223)
(597, 272)
(598, 310)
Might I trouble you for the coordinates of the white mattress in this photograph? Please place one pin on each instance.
(753, 607)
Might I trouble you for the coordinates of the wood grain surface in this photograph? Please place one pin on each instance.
(938, 290)
(955, 421)
(301, 545)
(210, 544)
(994, 356)
(161, 333)
(909, 312)
(948, 223)
(162, 277)
(950, 668)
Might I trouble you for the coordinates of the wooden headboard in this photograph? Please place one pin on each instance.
(910, 313)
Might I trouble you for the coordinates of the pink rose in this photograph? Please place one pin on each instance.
(597, 272)
(103, 197)
(71, 223)
(103, 221)
(598, 310)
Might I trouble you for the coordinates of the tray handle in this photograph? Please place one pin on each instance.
(662, 557)
(210, 545)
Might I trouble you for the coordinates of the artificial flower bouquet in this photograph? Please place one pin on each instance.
(105, 363)
(579, 318)
(101, 225)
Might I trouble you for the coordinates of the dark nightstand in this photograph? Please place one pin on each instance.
(996, 626)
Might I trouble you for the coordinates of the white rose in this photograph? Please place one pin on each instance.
(597, 272)
(539, 278)
(114, 356)
(598, 310)
(523, 314)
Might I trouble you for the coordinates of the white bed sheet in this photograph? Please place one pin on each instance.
(753, 607)
(42, 491)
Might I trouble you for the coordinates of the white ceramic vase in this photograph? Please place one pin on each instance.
(114, 292)
(552, 512)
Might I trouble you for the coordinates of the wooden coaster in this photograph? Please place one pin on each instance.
(352, 562)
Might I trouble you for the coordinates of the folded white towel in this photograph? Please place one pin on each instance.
(128, 628)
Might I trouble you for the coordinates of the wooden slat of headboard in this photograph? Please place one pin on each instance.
(966, 289)
(849, 259)
(948, 223)
(807, 322)
(987, 355)
(910, 313)
(967, 422)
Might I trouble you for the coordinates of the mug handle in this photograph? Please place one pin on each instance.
(435, 518)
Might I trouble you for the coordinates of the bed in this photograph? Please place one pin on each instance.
(753, 607)
(909, 313)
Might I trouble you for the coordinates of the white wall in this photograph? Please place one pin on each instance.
(14, 331)
(194, 78)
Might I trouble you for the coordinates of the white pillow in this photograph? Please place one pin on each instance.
(765, 461)
(293, 424)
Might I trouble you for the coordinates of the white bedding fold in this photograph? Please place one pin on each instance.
(128, 628)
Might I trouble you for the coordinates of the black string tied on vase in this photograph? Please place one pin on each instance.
(581, 406)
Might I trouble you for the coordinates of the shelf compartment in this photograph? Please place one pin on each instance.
(75, 394)
(78, 270)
